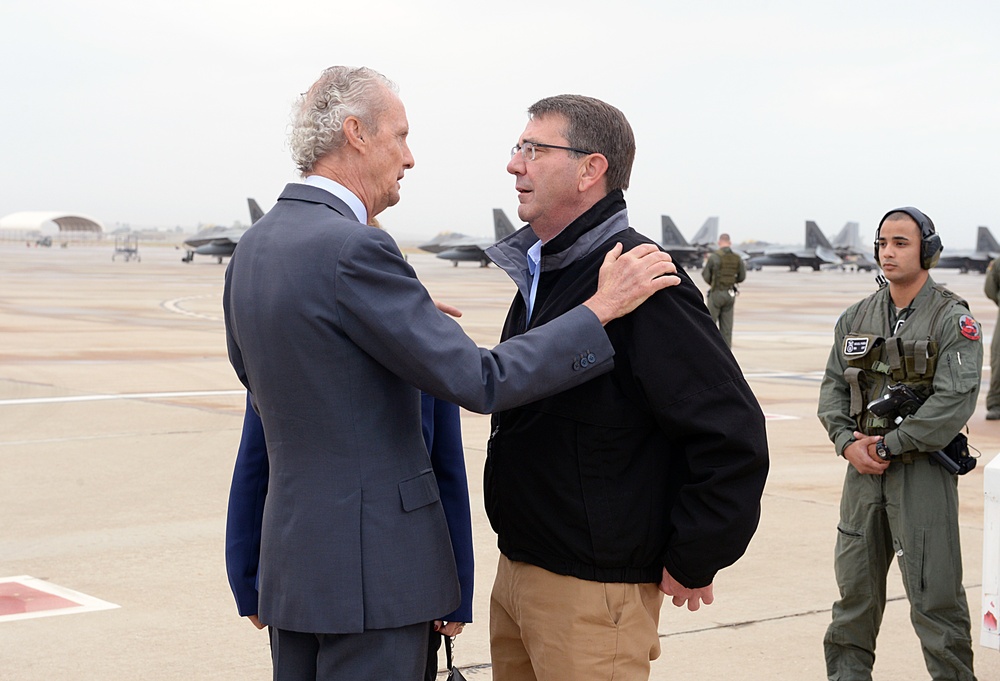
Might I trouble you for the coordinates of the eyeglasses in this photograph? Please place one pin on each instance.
(527, 149)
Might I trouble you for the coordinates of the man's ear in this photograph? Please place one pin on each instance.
(593, 171)
(354, 134)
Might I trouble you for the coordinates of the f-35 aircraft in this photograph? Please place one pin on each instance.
(816, 253)
(978, 260)
(219, 242)
(689, 255)
(461, 248)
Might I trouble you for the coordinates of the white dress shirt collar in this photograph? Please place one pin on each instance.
(342, 193)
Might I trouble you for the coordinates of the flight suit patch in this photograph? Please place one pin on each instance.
(969, 327)
(855, 346)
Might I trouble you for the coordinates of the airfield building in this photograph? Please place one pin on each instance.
(33, 225)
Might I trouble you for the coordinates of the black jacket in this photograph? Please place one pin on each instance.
(660, 463)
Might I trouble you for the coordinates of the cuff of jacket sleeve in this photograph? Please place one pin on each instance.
(688, 580)
(894, 443)
(843, 440)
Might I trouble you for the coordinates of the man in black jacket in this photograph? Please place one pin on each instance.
(642, 482)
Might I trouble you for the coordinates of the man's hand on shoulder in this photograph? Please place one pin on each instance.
(681, 594)
(627, 280)
(862, 455)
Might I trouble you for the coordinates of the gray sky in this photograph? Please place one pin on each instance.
(763, 113)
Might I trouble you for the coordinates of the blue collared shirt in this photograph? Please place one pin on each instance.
(342, 193)
(535, 272)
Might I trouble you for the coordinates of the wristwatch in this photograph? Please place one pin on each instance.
(882, 451)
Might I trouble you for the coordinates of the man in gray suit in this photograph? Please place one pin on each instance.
(332, 333)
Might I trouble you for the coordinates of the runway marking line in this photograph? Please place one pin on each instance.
(26, 597)
(120, 396)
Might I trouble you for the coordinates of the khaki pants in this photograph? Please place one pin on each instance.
(549, 627)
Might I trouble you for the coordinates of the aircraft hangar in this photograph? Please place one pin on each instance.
(50, 223)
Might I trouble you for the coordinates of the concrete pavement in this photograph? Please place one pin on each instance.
(119, 422)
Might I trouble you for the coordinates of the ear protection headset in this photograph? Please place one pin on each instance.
(930, 242)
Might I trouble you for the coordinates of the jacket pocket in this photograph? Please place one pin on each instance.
(419, 491)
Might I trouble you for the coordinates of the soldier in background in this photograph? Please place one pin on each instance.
(992, 290)
(723, 271)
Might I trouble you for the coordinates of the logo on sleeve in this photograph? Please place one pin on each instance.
(969, 327)
(855, 346)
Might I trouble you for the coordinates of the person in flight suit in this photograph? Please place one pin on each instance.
(896, 499)
(992, 290)
(723, 271)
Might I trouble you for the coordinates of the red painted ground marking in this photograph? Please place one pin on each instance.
(26, 597)
(17, 598)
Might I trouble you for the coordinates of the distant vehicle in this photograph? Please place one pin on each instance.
(847, 244)
(689, 255)
(461, 248)
(219, 242)
(127, 246)
(978, 260)
(817, 253)
(45, 241)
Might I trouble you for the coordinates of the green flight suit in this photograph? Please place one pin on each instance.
(723, 271)
(911, 510)
(992, 290)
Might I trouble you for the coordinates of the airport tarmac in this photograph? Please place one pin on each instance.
(119, 422)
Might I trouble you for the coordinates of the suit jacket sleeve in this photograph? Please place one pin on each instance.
(246, 513)
(385, 310)
(443, 436)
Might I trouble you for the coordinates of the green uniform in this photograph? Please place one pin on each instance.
(911, 510)
(992, 290)
(723, 271)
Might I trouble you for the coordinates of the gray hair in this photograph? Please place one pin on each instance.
(597, 127)
(318, 115)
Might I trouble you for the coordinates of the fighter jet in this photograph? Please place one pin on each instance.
(461, 248)
(219, 242)
(977, 260)
(816, 253)
(689, 255)
(847, 244)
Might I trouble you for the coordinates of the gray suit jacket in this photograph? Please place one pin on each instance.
(332, 333)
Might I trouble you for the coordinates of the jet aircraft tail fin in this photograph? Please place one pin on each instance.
(255, 212)
(985, 242)
(708, 234)
(671, 236)
(848, 237)
(502, 227)
(815, 237)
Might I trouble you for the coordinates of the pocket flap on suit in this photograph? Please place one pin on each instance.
(419, 491)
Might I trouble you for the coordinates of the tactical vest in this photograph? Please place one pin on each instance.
(874, 362)
(729, 268)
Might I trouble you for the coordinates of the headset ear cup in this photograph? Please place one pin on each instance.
(930, 251)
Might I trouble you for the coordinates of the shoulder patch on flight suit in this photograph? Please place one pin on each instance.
(856, 345)
(969, 327)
